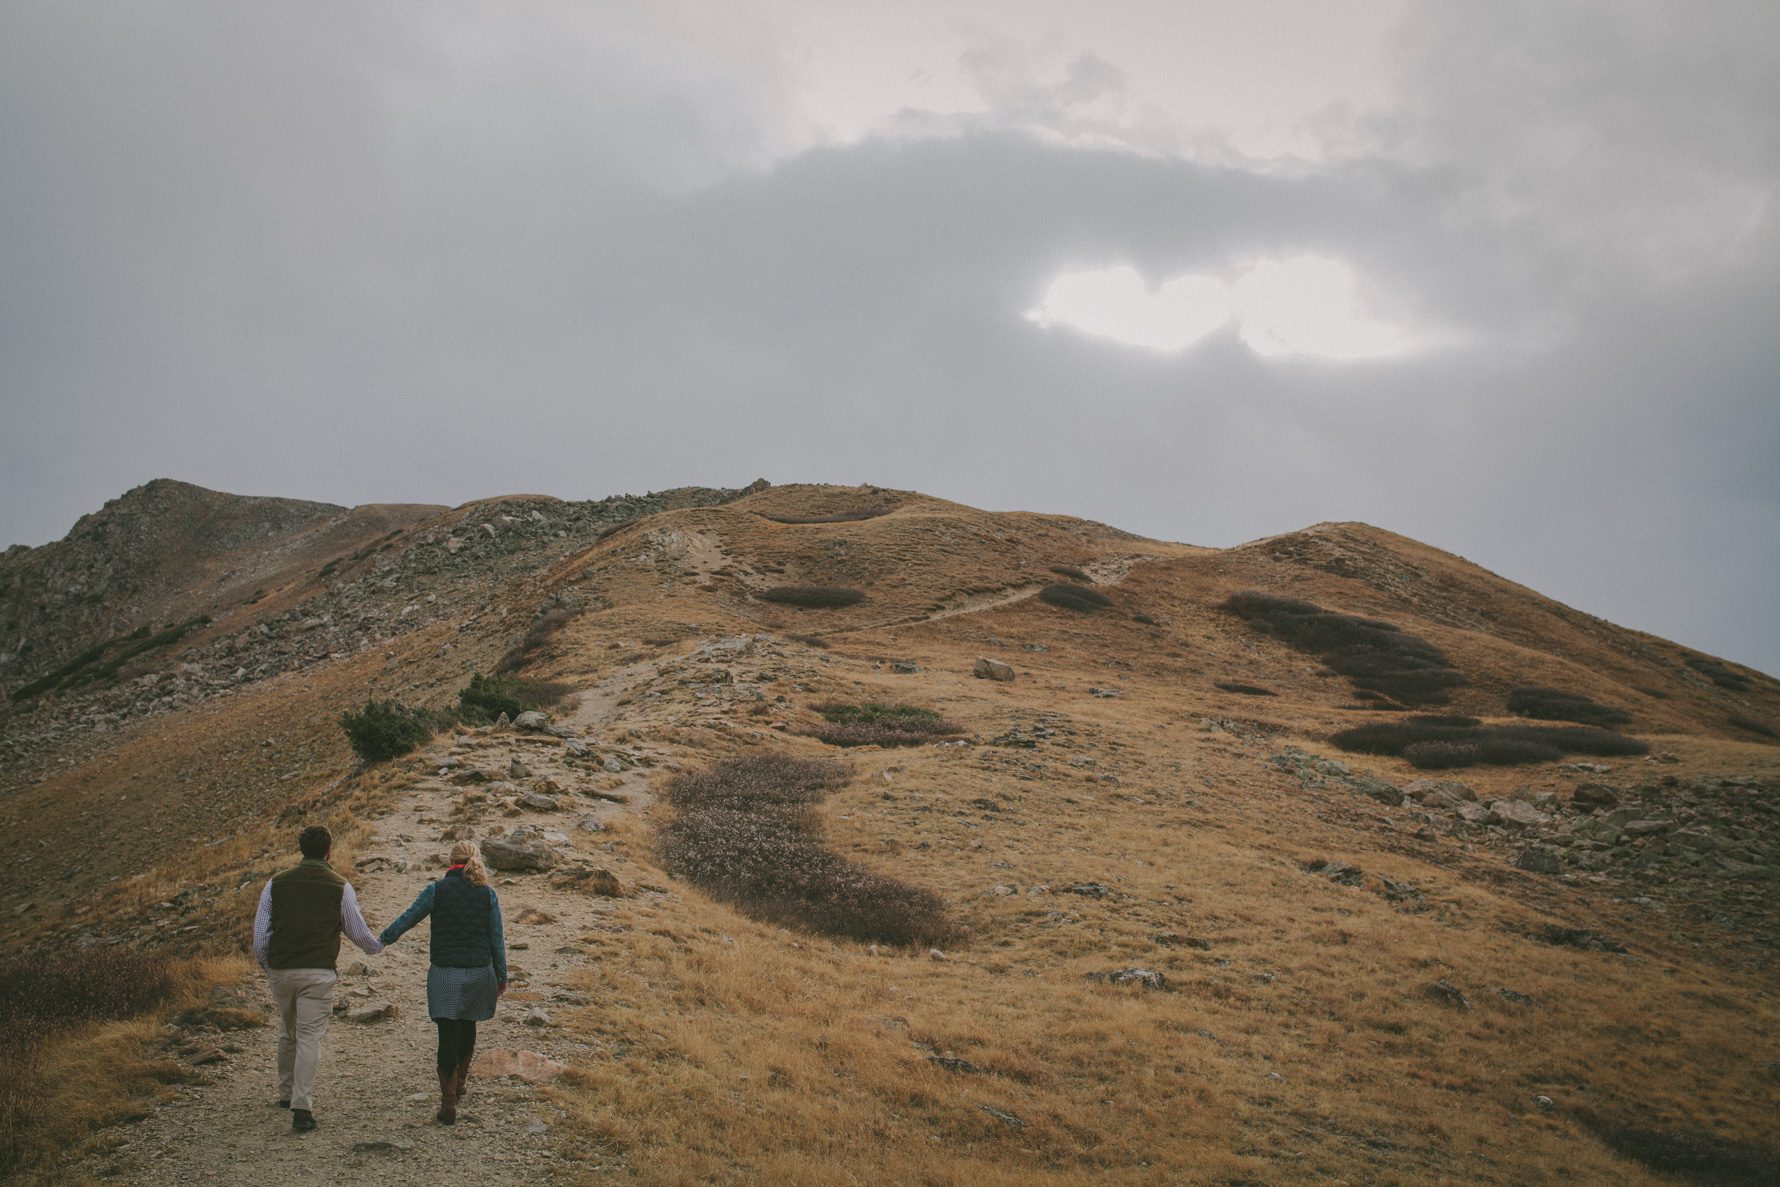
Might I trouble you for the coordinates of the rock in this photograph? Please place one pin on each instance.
(466, 777)
(1108, 693)
(381, 1146)
(1090, 890)
(612, 764)
(1519, 999)
(1440, 793)
(1378, 789)
(1537, 859)
(534, 801)
(1342, 872)
(1517, 814)
(905, 668)
(520, 852)
(1475, 814)
(371, 1012)
(1590, 796)
(1145, 978)
(1647, 828)
(592, 879)
(1445, 991)
(992, 669)
(530, 1066)
(503, 721)
(576, 747)
(359, 968)
(517, 770)
(537, 1017)
(531, 720)
(1003, 1116)
(1544, 1104)
(590, 824)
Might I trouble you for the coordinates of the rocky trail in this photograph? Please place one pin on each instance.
(542, 803)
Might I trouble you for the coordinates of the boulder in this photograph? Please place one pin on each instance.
(1537, 859)
(1440, 793)
(371, 1012)
(1647, 828)
(534, 801)
(1517, 814)
(1590, 796)
(522, 852)
(1147, 978)
(992, 669)
(1378, 789)
(531, 720)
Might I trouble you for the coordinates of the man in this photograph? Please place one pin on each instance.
(296, 939)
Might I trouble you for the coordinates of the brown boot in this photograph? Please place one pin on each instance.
(447, 1114)
(462, 1079)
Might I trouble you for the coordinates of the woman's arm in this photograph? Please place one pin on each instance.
(497, 938)
(422, 907)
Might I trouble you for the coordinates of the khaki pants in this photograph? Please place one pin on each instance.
(305, 999)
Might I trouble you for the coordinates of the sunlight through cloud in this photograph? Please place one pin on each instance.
(1115, 303)
(1303, 305)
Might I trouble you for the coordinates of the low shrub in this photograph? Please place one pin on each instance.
(1073, 573)
(386, 729)
(1378, 657)
(812, 597)
(746, 832)
(1436, 756)
(1074, 597)
(874, 724)
(837, 517)
(1739, 721)
(107, 659)
(1432, 742)
(1552, 704)
(1715, 671)
(540, 632)
(1247, 690)
(487, 697)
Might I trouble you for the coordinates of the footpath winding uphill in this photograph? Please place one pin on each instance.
(376, 1092)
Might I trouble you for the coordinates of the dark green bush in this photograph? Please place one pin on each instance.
(874, 724)
(386, 729)
(1378, 657)
(1742, 722)
(1247, 690)
(1432, 741)
(1071, 572)
(1437, 756)
(1074, 597)
(487, 697)
(1715, 671)
(1552, 704)
(812, 597)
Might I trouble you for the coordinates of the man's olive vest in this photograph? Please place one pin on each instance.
(306, 916)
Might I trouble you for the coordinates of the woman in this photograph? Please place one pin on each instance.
(469, 964)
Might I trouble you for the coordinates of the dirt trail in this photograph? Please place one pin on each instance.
(376, 1090)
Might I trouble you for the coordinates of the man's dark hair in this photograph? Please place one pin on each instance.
(315, 841)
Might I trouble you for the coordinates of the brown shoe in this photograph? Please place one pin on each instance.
(462, 1079)
(447, 1114)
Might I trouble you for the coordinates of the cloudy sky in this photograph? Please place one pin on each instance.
(1503, 277)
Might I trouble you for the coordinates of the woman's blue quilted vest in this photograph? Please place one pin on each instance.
(460, 923)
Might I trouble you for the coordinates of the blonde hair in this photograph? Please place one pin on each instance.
(468, 854)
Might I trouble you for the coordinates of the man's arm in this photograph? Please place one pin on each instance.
(262, 926)
(352, 922)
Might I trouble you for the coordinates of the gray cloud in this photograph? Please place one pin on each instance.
(377, 254)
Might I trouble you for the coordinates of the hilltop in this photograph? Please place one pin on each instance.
(1246, 784)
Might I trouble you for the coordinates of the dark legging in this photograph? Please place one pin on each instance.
(457, 1042)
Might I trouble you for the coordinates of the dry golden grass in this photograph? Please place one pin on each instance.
(1299, 1044)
